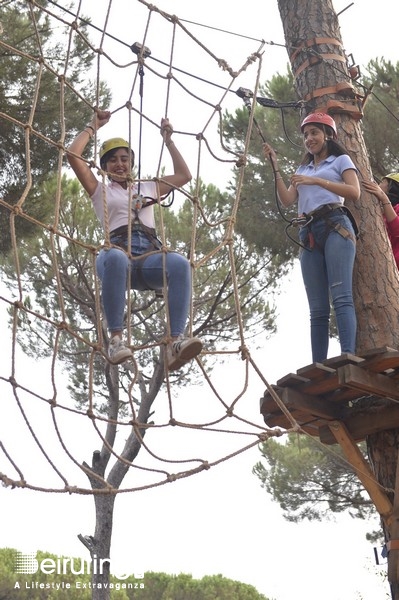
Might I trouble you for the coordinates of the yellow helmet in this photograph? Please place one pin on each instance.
(111, 145)
(394, 176)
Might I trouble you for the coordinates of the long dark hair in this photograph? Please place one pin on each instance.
(393, 192)
(333, 147)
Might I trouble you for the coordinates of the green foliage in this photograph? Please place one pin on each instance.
(154, 586)
(26, 158)
(215, 587)
(259, 220)
(380, 116)
(49, 263)
(310, 481)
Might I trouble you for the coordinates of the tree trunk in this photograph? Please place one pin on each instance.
(99, 545)
(322, 79)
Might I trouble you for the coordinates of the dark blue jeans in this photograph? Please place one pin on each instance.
(327, 269)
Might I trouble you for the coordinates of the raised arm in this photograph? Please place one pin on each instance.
(181, 174)
(373, 188)
(287, 196)
(74, 152)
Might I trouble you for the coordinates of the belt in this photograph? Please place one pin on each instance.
(124, 230)
(324, 210)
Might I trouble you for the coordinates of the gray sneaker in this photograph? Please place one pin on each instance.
(117, 351)
(181, 351)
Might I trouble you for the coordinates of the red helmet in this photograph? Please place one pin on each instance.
(322, 119)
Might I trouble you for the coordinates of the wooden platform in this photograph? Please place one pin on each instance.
(360, 391)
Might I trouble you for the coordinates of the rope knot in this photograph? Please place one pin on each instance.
(242, 161)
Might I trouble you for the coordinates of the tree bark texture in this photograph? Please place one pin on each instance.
(323, 82)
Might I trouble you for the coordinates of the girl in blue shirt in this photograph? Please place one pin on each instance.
(323, 181)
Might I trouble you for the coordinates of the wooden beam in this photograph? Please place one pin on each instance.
(363, 470)
(361, 424)
(295, 400)
(315, 371)
(381, 359)
(371, 383)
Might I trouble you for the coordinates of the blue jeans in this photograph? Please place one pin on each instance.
(113, 266)
(327, 269)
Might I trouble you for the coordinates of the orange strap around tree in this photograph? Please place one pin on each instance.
(314, 60)
(317, 41)
(392, 545)
(340, 88)
(318, 56)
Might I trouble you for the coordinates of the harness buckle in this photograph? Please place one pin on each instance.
(302, 220)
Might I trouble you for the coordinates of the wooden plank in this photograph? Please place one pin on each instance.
(276, 420)
(372, 383)
(268, 406)
(319, 393)
(303, 419)
(382, 362)
(311, 430)
(344, 395)
(281, 422)
(376, 351)
(268, 403)
(291, 380)
(365, 423)
(343, 359)
(314, 371)
(363, 470)
(322, 386)
(295, 400)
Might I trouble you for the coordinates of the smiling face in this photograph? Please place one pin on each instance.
(118, 164)
(314, 138)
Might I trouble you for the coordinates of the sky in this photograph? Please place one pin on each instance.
(221, 520)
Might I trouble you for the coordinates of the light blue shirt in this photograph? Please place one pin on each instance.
(311, 197)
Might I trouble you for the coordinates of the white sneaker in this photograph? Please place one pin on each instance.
(181, 351)
(117, 351)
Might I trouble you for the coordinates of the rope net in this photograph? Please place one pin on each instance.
(61, 398)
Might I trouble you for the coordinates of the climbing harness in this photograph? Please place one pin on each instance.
(325, 213)
(120, 237)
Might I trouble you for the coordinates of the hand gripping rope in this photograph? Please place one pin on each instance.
(301, 221)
